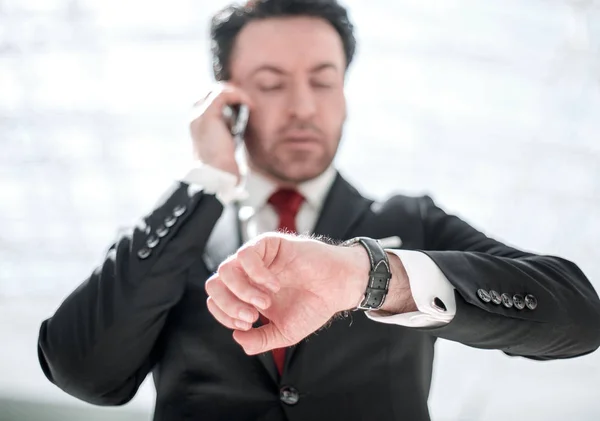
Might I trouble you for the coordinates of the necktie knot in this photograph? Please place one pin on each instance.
(287, 203)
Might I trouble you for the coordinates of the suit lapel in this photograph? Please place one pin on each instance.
(266, 358)
(343, 208)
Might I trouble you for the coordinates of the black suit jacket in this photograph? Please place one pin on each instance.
(144, 310)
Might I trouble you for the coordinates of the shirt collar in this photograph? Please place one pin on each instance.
(260, 188)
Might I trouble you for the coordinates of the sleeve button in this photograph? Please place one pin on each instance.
(144, 253)
(162, 231)
(179, 210)
(530, 302)
(484, 295)
(507, 300)
(170, 221)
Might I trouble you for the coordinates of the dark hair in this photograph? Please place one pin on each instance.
(228, 22)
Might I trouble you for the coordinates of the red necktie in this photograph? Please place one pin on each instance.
(286, 202)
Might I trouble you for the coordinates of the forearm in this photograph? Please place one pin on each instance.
(562, 321)
(565, 321)
(104, 332)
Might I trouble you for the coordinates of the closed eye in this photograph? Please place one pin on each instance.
(322, 85)
(271, 88)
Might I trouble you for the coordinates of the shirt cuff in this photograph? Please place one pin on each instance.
(215, 181)
(431, 290)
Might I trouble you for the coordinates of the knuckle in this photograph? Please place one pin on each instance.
(244, 253)
(263, 339)
(260, 241)
(213, 308)
(243, 291)
(225, 268)
(209, 286)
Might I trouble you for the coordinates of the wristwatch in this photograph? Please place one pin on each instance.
(379, 274)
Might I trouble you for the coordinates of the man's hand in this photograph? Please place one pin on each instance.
(213, 143)
(297, 283)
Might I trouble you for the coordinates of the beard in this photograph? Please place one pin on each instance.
(284, 162)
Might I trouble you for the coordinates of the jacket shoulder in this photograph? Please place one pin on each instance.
(413, 205)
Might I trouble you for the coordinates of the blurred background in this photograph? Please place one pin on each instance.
(492, 107)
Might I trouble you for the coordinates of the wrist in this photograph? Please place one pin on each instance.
(399, 298)
(358, 277)
(224, 185)
(222, 165)
(377, 276)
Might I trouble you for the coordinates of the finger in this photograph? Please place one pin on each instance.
(261, 339)
(203, 100)
(226, 94)
(230, 305)
(237, 281)
(224, 319)
(254, 266)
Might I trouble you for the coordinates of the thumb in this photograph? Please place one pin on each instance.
(261, 339)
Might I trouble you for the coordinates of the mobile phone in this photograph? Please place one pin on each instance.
(238, 116)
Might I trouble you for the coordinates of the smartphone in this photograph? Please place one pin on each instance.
(238, 116)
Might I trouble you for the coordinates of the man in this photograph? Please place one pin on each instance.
(170, 293)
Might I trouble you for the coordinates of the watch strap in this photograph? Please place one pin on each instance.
(379, 273)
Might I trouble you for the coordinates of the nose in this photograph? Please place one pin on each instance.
(302, 101)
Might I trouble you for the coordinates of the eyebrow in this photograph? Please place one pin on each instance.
(274, 69)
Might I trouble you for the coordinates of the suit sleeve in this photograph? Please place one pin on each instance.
(101, 342)
(561, 318)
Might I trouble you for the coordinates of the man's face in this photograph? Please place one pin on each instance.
(293, 70)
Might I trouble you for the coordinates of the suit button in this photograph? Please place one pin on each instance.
(289, 395)
(530, 302)
(144, 253)
(152, 242)
(162, 231)
(484, 295)
(179, 210)
(507, 300)
(519, 301)
(496, 298)
(170, 221)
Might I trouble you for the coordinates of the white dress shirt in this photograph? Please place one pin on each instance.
(427, 282)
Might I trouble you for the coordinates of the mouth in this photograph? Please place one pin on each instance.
(300, 134)
(301, 142)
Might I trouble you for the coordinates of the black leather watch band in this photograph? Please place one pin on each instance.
(379, 275)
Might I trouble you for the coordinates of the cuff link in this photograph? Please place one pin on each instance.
(438, 305)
